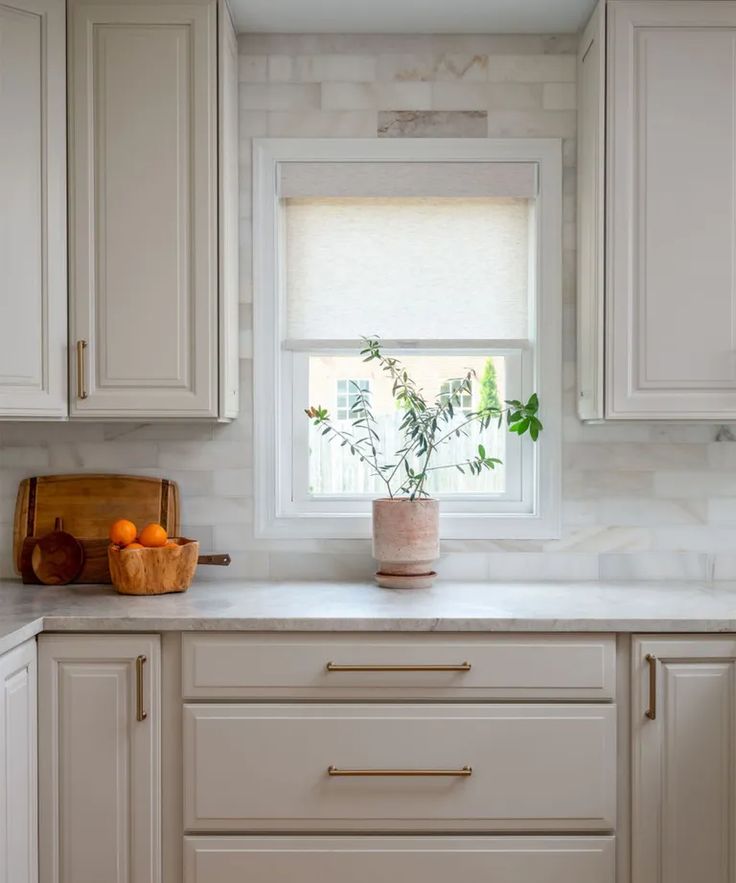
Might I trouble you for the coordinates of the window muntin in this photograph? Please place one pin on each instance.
(348, 394)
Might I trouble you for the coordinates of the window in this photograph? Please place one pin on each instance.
(451, 387)
(449, 251)
(348, 395)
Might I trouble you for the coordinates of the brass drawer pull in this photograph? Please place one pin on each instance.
(463, 773)
(651, 712)
(140, 714)
(460, 666)
(81, 386)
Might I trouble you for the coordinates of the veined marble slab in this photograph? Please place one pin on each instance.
(351, 606)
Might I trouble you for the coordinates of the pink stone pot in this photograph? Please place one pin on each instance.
(406, 542)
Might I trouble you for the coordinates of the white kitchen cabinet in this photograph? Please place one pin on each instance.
(18, 781)
(684, 744)
(372, 859)
(670, 213)
(99, 759)
(33, 284)
(153, 307)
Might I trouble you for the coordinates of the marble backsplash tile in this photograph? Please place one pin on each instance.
(640, 501)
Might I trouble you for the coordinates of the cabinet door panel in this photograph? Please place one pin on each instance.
(33, 217)
(144, 207)
(18, 783)
(672, 200)
(99, 764)
(370, 859)
(684, 778)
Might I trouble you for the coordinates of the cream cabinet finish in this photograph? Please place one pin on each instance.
(591, 214)
(669, 210)
(99, 766)
(33, 285)
(371, 859)
(684, 777)
(144, 271)
(18, 781)
(265, 767)
(544, 667)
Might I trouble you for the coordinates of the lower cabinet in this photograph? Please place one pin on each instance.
(18, 803)
(99, 759)
(684, 745)
(372, 859)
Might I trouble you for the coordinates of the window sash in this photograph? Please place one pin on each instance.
(295, 499)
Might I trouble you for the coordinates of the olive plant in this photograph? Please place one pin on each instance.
(425, 427)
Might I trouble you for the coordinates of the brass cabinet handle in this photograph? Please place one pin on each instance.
(140, 714)
(460, 666)
(463, 772)
(81, 387)
(651, 712)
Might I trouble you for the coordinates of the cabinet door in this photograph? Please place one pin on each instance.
(143, 200)
(372, 859)
(18, 786)
(684, 777)
(99, 762)
(671, 281)
(33, 289)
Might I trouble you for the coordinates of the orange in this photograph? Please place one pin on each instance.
(153, 535)
(171, 543)
(123, 532)
(134, 546)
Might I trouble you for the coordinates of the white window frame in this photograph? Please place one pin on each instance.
(276, 411)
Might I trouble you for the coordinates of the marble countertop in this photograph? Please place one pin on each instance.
(351, 606)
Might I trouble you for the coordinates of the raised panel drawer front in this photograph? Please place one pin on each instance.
(461, 667)
(33, 289)
(483, 767)
(671, 287)
(381, 860)
(143, 111)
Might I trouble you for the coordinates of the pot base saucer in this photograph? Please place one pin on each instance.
(406, 581)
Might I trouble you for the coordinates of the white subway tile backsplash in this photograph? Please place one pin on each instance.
(279, 96)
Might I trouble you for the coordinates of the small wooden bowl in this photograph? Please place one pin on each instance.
(154, 571)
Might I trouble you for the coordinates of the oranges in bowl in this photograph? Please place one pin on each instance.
(147, 562)
(124, 533)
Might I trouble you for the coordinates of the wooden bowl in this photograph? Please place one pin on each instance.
(154, 571)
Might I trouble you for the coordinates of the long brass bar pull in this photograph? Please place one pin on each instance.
(81, 385)
(651, 712)
(460, 666)
(463, 772)
(140, 714)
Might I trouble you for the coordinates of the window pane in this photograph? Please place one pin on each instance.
(332, 468)
(420, 268)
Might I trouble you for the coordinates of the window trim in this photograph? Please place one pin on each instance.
(271, 520)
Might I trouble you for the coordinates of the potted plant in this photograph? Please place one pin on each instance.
(406, 521)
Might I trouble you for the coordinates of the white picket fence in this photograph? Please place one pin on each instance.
(334, 470)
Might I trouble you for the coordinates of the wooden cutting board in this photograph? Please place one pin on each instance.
(88, 504)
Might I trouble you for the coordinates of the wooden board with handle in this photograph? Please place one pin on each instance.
(88, 504)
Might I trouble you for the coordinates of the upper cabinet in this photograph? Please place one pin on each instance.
(145, 268)
(669, 290)
(33, 290)
(151, 326)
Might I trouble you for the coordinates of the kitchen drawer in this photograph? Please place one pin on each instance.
(265, 767)
(425, 859)
(230, 666)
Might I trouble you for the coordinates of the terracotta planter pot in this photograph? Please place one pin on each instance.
(406, 542)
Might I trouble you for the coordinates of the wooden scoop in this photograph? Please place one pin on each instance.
(58, 557)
